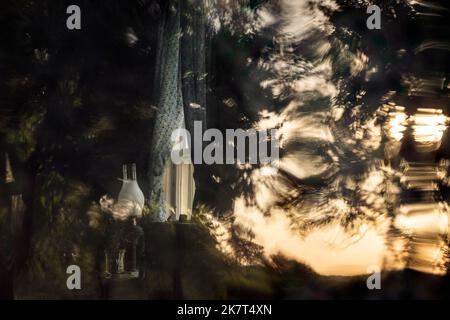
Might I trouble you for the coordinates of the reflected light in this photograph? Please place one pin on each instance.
(397, 121)
(425, 224)
(329, 250)
(428, 128)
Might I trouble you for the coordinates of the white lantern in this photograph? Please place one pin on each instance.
(131, 200)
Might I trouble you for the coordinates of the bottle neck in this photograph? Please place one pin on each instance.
(133, 168)
(124, 172)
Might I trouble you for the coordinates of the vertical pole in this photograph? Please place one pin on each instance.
(178, 265)
(133, 258)
(132, 249)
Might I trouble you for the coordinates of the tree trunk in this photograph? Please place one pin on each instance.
(170, 107)
(12, 230)
(193, 66)
(6, 237)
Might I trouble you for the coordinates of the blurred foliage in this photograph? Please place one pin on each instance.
(76, 105)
